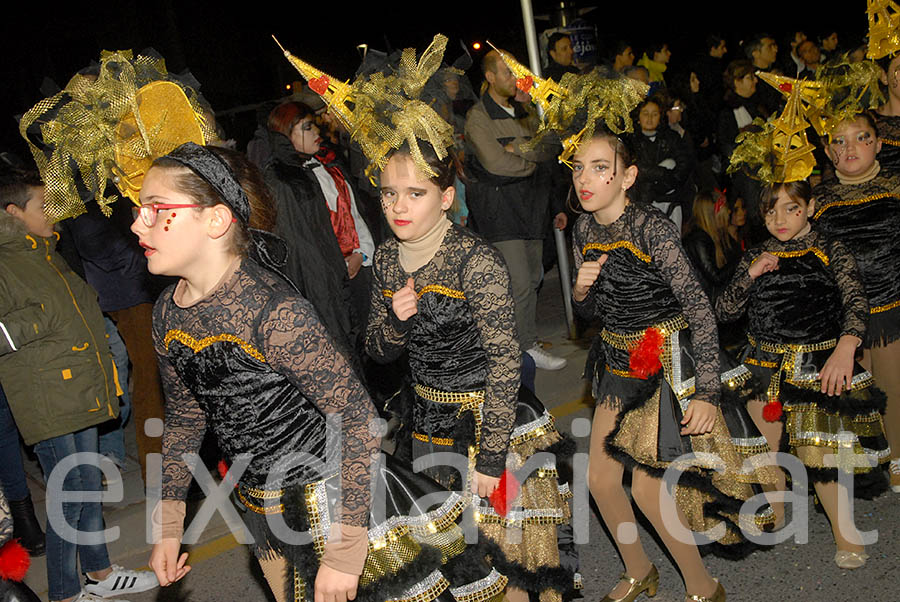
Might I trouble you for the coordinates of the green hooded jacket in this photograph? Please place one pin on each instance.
(55, 365)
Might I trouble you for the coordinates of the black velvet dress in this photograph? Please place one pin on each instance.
(465, 362)
(796, 315)
(866, 218)
(647, 283)
(252, 361)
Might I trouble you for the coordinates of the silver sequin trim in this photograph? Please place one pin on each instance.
(545, 420)
(476, 586)
(422, 586)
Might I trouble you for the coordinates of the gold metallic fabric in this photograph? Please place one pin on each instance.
(108, 128)
(884, 28)
(382, 112)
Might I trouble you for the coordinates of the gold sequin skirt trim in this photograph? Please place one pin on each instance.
(714, 453)
(814, 435)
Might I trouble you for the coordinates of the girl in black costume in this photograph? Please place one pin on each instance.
(442, 294)
(633, 275)
(807, 315)
(861, 209)
(242, 352)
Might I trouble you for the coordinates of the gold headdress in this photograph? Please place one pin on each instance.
(382, 112)
(573, 106)
(884, 28)
(779, 150)
(848, 89)
(110, 127)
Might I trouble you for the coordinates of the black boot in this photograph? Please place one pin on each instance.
(26, 526)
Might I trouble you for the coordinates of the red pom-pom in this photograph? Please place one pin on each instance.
(14, 561)
(319, 85)
(643, 360)
(772, 411)
(222, 467)
(524, 83)
(505, 493)
(785, 87)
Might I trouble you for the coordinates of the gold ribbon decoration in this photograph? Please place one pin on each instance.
(109, 127)
(384, 111)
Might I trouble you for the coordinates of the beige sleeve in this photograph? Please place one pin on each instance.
(346, 549)
(490, 153)
(168, 520)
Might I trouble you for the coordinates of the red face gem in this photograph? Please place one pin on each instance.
(524, 83)
(785, 87)
(319, 85)
(168, 221)
(166, 228)
(173, 214)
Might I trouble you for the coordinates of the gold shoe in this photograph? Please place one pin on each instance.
(648, 584)
(718, 596)
(846, 559)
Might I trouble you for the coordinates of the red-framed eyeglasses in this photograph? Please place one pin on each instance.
(149, 212)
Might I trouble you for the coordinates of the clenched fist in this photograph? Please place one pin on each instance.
(405, 302)
(587, 276)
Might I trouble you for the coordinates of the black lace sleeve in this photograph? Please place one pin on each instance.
(586, 308)
(185, 421)
(297, 346)
(732, 302)
(854, 305)
(485, 282)
(386, 335)
(669, 257)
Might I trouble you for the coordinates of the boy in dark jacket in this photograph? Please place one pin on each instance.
(58, 375)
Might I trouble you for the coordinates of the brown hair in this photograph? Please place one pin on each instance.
(16, 185)
(735, 71)
(444, 168)
(262, 207)
(799, 191)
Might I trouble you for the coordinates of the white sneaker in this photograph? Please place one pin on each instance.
(86, 597)
(894, 470)
(121, 581)
(544, 360)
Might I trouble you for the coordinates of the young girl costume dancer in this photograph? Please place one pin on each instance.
(634, 275)
(807, 315)
(442, 294)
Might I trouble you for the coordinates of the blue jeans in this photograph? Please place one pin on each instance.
(62, 572)
(112, 433)
(12, 475)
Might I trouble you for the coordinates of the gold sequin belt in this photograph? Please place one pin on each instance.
(256, 500)
(790, 354)
(468, 401)
(626, 342)
(792, 347)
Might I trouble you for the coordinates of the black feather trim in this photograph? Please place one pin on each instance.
(850, 403)
(556, 578)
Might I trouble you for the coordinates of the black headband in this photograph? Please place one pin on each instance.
(218, 174)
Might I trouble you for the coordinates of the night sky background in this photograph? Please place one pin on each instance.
(230, 51)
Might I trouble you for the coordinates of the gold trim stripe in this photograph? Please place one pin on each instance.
(431, 288)
(890, 141)
(189, 341)
(760, 363)
(260, 509)
(619, 244)
(850, 202)
(881, 308)
(789, 254)
(436, 440)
